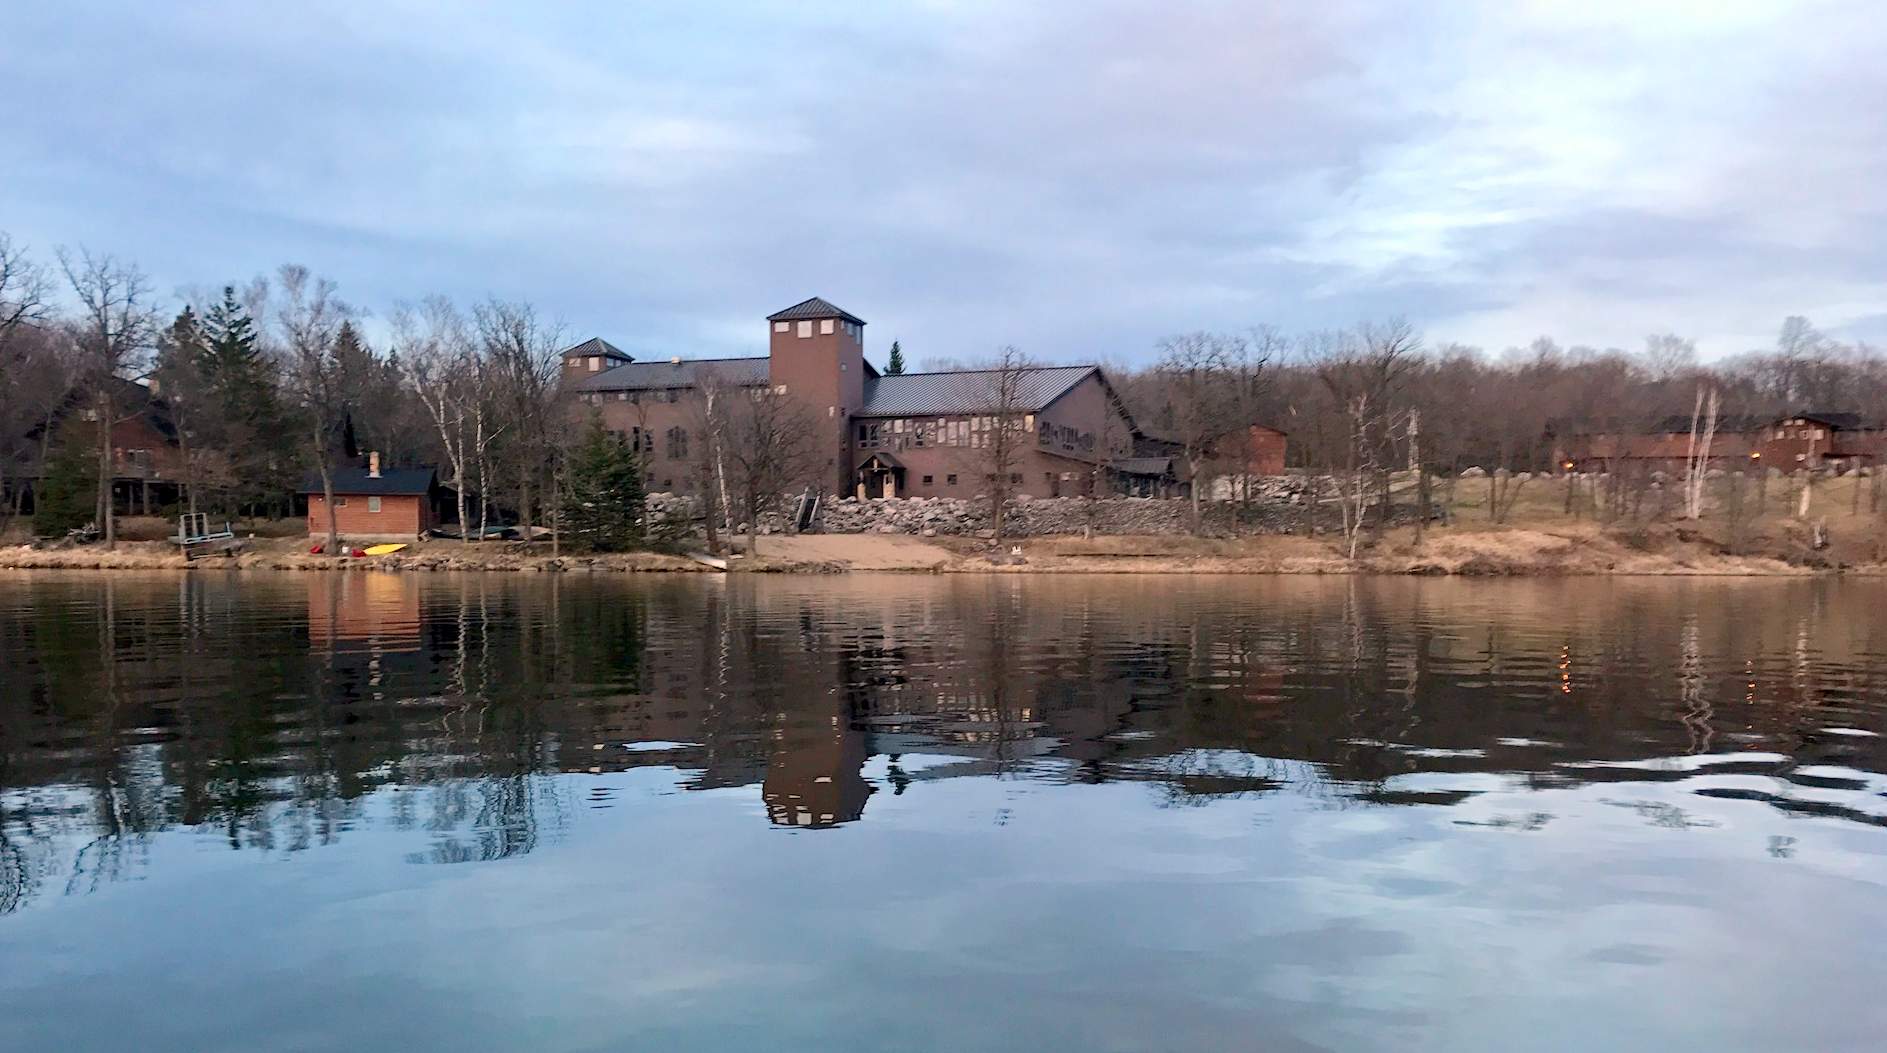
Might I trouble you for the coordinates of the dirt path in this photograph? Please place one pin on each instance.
(860, 551)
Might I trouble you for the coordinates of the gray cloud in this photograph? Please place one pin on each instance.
(1077, 179)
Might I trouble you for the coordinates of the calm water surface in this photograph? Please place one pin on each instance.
(957, 813)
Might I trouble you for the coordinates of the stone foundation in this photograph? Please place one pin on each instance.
(1275, 508)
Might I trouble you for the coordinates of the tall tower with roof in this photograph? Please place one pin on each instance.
(816, 351)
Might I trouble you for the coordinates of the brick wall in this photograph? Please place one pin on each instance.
(401, 516)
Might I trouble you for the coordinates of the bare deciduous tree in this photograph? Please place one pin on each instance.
(1005, 430)
(309, 320)
(433, 342)
(112, 337)
(521, 367)
(1703, 431)
(1203, 402)
(768, 444)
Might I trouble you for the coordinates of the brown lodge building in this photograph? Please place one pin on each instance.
(881, 435)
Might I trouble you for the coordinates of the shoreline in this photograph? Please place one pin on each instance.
(1479, 553)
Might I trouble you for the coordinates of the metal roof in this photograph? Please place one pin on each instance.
(390, 481)
(968, 391)
(686, 373)
(596, 345)
(814, 308)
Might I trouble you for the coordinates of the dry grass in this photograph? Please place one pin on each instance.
(1539, 539)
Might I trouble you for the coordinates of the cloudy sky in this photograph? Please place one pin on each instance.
(1078, 179)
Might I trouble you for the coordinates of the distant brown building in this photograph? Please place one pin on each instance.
(908, 435)
(147, 465)
(1266, 447)
(1798, 440)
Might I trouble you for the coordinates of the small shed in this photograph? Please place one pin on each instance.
(392, 505)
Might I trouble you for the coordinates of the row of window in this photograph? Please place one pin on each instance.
(826, 328)
(904, 433)
(951, 479)
(642, 440)
(1065, 437)
(373, 503)
(597, 398)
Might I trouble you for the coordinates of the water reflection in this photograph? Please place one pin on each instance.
(280, 714)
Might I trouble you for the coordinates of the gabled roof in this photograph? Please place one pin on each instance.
(814, 308)
(968, 391)
(686, 373)
(391, 481)
(596, 345)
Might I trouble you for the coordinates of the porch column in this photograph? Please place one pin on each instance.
(891, 485)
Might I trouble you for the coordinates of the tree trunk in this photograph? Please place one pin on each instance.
(753, 522)
(327, 496)
(1422, 504)
(1192, 466)
(107, 522)
(556, 508)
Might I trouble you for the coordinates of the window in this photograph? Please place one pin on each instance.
(779, 327)
(596, 363)
(805, 329)
(373, 504)
(340, 502)
(825, 327)
(951, 479)
(870, 437)
(677, 444)
(1015, 478)
(929, 479)
(1819, 434)
(668, 484)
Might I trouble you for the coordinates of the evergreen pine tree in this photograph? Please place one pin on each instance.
(67, 498)
(247, 423)
(896, 365)
(179, 381)
(603, 498)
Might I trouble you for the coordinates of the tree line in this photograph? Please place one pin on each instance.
(273, 380)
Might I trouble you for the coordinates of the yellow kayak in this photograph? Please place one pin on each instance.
(382, 550)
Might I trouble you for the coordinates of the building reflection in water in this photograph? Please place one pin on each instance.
(285, 712)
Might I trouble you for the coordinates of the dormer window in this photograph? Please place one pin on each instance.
(596, 363)
(805, 329)
(825, 327)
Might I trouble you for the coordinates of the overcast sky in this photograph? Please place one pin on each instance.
(1078, 179)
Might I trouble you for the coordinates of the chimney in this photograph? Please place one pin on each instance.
(373, 465)
(676, 361)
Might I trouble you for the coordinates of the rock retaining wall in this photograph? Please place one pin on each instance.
(1275, 509)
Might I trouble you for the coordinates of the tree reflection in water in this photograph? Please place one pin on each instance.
(281, 712)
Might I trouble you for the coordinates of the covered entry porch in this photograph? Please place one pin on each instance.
(881, 475)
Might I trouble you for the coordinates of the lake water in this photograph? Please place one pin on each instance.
(951, 813)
